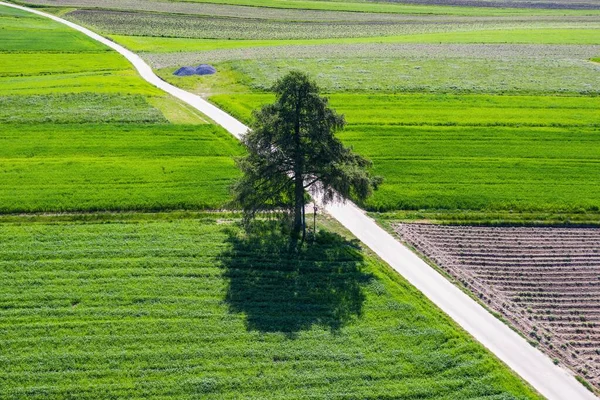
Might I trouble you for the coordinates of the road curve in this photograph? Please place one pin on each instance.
(551, 381)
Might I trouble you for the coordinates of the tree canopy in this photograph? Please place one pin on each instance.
(292, 148)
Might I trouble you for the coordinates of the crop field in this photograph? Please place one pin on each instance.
(497, 115)
(161, 305)
(490, 107)
(20, 32)
(367, 51)
(505, 73)
(89, 167)
(543, 280)
(460, 111)
(202, 27)
(206, 7)
(82, 132)
(205, 49)
(476, 152)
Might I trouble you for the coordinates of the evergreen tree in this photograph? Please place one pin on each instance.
(292, 148)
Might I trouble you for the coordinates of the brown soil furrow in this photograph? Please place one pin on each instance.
(545, 281)
(480, 256)
(543, 275)
(536, 270)
(547, 285)
(527, 263)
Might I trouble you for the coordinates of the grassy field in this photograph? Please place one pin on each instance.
(467, 74)
(187, 306)
(184, 304)
(138, 23)
(509, 123)
(462, 147)
(49, 167)
(477, 152)
(356, 6)
(81, 131)
(20, 33)
(152, 44)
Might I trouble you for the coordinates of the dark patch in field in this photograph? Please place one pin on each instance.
(203, 69)
(283, 292)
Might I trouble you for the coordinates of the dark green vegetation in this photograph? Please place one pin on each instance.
(81, 131)
(476, 152)
(165, 305)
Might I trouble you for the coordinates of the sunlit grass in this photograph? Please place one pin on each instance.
(475, 152)
(180, 307)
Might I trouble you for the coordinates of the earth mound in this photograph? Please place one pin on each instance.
(203, 69)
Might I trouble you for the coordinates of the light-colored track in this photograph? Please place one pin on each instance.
(533, 366)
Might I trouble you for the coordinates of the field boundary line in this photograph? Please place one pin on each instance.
(553, 382)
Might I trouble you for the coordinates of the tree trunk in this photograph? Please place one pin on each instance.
(303, 219)
(298, 199)
(298, 174)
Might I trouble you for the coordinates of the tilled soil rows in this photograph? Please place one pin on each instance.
(545, 281)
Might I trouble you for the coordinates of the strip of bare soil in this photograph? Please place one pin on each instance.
(545, 281)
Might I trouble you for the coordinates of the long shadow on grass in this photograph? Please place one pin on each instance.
(283, 292)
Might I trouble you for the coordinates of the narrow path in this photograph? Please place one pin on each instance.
(533, 366)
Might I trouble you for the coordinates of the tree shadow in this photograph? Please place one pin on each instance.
(282, 291)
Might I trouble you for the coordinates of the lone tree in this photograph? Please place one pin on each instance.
(292, 148)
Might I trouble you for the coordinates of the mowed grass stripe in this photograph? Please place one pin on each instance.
(122, 82)
(477, 152)
(153, 44)
(434, 109)
(116, 141)
(115, 167)
(173, 324)
(21, 32)
(46, 64)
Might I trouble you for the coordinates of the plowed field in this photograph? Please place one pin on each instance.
(545, 281)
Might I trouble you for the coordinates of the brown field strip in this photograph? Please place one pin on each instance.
(544, 281)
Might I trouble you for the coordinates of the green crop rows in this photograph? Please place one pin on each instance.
(173, 307)
(478, 152)
(152, 44)
(82, 132)
(208, 27)
(115, 167)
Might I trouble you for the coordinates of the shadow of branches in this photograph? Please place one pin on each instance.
(280, 291)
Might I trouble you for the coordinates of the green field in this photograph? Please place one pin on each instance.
(100, 301)
(461, 113)
(20, 33)
(91, 167)
(396, 68)
(139, 23)
(169, 306)
(476, 152)
(353, 6)
(154, 44)
(81, 131)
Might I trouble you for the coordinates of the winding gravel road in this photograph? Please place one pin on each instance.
(536, 368)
